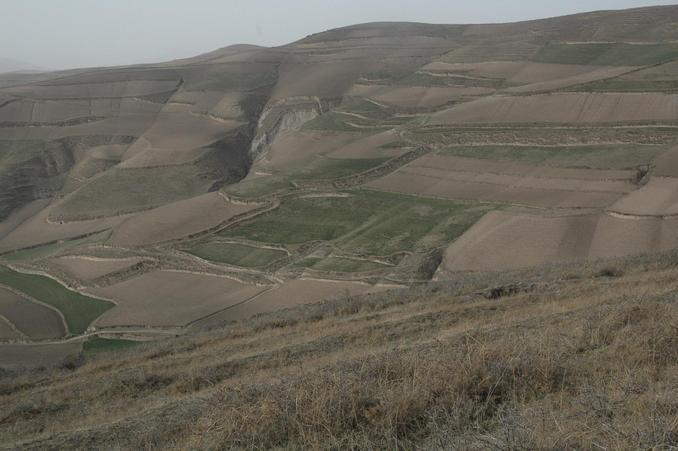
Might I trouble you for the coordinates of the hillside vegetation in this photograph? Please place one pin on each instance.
(560, 357)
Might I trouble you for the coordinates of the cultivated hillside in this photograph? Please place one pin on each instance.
(565, 357)
(156, 200)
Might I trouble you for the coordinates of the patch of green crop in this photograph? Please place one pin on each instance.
(367, 222)
(97, 345)
(615, 156)
(545, 135)
(236, 254)
(78, 310)
(127, 190)
(618, 85)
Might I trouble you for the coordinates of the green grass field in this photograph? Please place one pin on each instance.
(620, 85)
(78, 310)
(368, 222)
(96, 345)
(126, 190)
(236, 254)
(614, 156)
(537, 136)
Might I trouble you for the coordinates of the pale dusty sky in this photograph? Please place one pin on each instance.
(59, 34)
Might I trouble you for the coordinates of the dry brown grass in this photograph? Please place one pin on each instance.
(571, 358)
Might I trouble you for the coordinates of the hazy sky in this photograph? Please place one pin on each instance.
(58, 34)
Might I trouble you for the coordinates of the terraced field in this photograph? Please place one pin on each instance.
(605, 156)
(201, 191)
(237, 254)
(78, 310)
(365, 222)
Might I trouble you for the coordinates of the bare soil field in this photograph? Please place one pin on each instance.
(293, 148)
(26, 112)
(659, 197)
(417, 96)
(74, 112)
(17, 217)
(547, 239)
(14, 356)
(30, 318)
(594, 75)
(170, 298)
(327, 80)
(218, 104)
(38, 229)
(540, 240)
(666, 164)
(576, 108)
(7, 332)
(506, 182)
(89, 268)
(177, 220)
(291, 294)
(175, 136)
(370, 147)
(619, 236)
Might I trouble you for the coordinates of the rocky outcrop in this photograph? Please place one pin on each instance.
(284, 115)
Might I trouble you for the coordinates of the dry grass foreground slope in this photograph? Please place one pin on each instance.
(561, 357)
